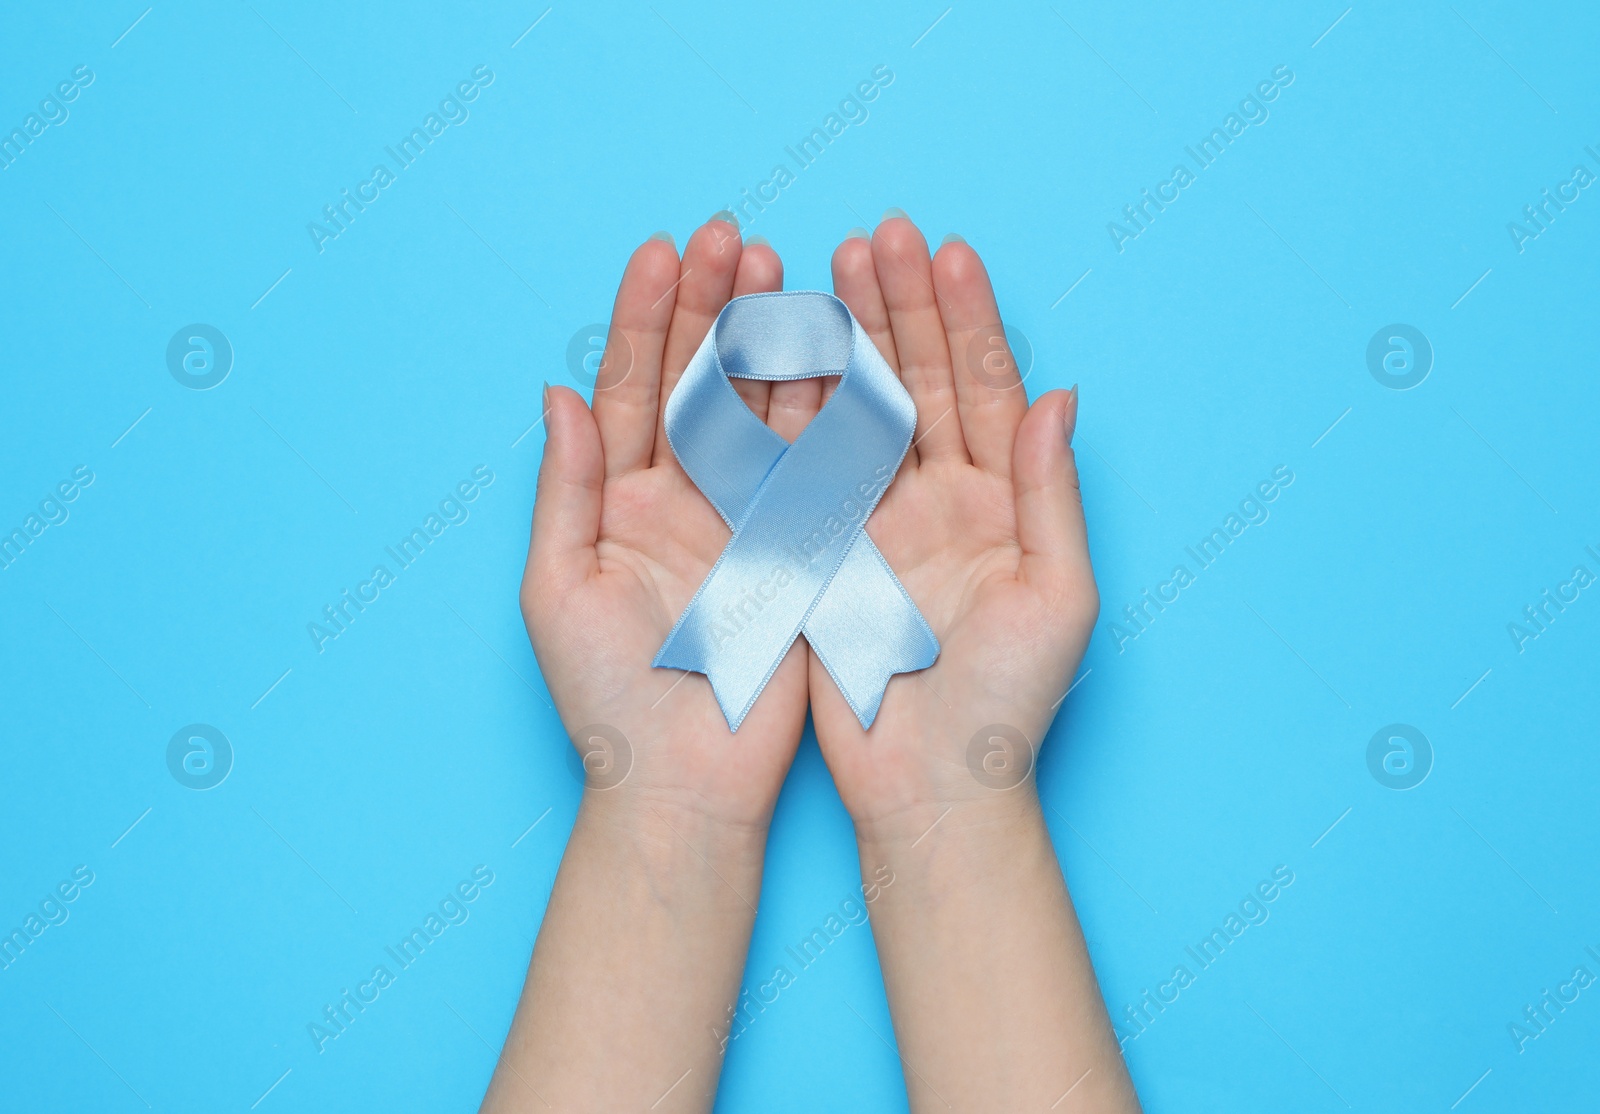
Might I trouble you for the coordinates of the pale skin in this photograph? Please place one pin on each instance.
(642, 948)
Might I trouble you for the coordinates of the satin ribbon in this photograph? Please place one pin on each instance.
(799, 561)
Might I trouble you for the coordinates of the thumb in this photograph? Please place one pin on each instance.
(566, 507)
(1044, 473)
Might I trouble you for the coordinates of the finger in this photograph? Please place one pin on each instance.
(566, 508)
(901, 257)
(705, 283)
(1050, 526)
(793, 405)
(989, 393)
(760, 270)
(855, 281)
(628, 387)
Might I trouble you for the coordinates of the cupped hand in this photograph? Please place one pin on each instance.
(983, 525)
(622, 539)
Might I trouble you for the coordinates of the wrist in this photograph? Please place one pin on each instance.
(647, 767)
(989, 819)
(905, 778)
(663, 827)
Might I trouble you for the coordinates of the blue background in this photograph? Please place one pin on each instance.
(1229, 338)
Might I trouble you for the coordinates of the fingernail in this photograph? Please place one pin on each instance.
(858, 233)
(756, 241)
(725, 216)
(667, 236)
(951, 238)
(891, 212)
(1070, 414)
(546, 402)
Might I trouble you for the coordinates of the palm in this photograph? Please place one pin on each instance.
(622, 539)
(659, 538)
(1011, 624)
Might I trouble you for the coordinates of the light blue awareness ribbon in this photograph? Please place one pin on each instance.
(799, 561)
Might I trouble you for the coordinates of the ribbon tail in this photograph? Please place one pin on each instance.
(865, 629)
(735, 681)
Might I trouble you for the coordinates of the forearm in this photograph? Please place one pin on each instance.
(637, 960)
(993, 996)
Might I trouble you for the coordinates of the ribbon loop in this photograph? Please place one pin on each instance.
(799, 561)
